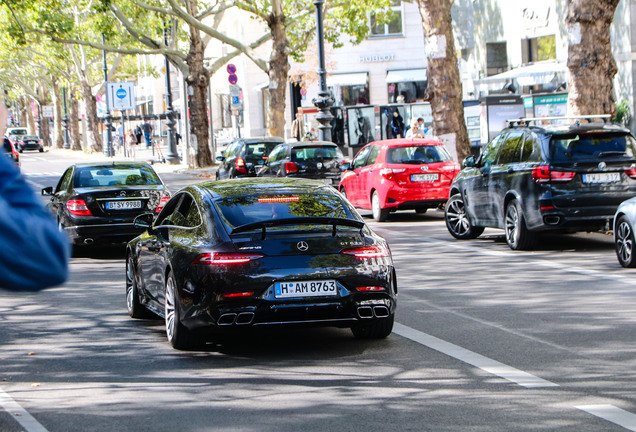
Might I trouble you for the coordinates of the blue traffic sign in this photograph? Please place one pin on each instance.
(121, 93)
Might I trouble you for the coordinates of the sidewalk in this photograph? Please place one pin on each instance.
(142, 154)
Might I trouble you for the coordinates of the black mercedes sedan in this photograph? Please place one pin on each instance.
(96, 203)
(246, 253)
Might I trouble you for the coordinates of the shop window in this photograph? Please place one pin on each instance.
(346, 95)
(393, 26)
(496, 58)
(538, 49)
(407, 92)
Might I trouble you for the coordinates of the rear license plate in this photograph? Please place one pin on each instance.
(123, 205)
(602, 177)
(306, 289)
(424, 177)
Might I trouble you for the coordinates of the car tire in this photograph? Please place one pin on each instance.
(624, 242)
(375, 329)
(379, 214)
(457, 221)
(518, 236)
(179, 336)
(134, 306)
(20, 150)
(41, 150)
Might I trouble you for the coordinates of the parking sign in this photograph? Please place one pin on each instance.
(121, 95)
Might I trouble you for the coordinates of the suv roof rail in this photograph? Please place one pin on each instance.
(525, 121)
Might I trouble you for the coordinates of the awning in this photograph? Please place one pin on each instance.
(538, 73)
(406, 75)
(349, 79)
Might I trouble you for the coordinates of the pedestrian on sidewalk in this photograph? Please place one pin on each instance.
(138, 133)
(131, 143)
(147, 130)
(121, 137)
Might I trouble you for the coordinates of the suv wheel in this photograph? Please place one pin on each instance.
(457, 221)
(624, 241)
(518, 236)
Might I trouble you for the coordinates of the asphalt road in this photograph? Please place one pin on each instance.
(487, 339)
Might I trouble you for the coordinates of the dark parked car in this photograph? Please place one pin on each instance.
(260, 252)
(244, 156)
(624, 237)
(96, 203)
(312, 159)
(531, 179)
(29, 142)
(10, 151)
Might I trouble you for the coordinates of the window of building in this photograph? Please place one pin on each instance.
(538, 49)
(406, 86)
(393, 26)
(496, 58)
(349, 89)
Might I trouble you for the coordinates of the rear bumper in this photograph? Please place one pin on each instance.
(414, 198)
(102, 234)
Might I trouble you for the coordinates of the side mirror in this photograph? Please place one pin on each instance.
(220, 158)
(469, 162)
(144, 221)
(47, 191)
(345, 166)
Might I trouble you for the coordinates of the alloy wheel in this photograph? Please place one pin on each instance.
(169, 309)
(456, 218)
(624, 242)
(512, 224)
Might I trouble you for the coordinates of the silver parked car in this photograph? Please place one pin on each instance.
(624, 223)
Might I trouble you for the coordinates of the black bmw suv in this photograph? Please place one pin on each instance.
(533, 178)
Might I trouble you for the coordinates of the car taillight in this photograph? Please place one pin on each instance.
(370, 288)
(225, 258)
(238, 294)
(543, 174)
(162, 203)
(631, 173)
(239, 165)
(78, 207)
(290, 167)
(388, 172)
(368, 252)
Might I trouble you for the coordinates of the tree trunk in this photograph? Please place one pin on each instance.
(444, 85)
(57, 103)
(74, 128)
(198, 81)
(278, 70)
(94, 138)
(590, 60)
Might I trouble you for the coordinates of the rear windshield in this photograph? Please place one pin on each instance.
(258, 152)
(18, 131)
(418, 154)
(30, 137)
(244, 210)
(121, 175)
(591, 147)
(300, 154)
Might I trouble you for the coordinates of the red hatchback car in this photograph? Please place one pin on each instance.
(399, 174)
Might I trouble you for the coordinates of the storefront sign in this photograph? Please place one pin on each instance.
(376, 58)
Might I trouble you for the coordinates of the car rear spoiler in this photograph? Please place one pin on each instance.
(263, 225)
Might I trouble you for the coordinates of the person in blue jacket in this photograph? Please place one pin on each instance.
(34, 253)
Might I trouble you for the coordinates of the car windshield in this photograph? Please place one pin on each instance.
(244, 210)
(300, 154)
(418, 155)
(119, 175)
(258, 152)
(591, 147)
(18, 131)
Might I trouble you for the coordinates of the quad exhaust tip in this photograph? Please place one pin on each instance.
(243, 318)
(365, 312)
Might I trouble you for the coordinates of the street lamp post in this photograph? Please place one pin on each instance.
(324, 101)
(67, 144)
(172, 156)
(108, 123)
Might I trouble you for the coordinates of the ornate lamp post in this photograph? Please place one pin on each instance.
(67, 144)
(324, 100)
(108, 151)
(172, 156)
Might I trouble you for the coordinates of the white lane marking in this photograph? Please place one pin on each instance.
(612, 414)
(16, 411)
(489, 365)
